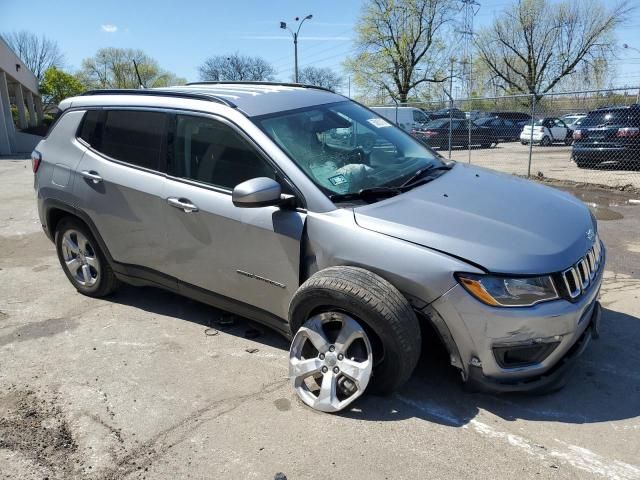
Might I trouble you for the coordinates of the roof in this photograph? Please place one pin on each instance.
(252, 98)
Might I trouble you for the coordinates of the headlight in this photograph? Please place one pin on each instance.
(508, 292)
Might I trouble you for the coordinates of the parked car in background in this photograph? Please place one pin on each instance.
(573, 119)
(448, 113)
(547, 131)
(514, 116)
(608, 135)
(504, 130)
(436, 134)
(406, 118)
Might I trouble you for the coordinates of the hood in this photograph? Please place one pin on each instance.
(500, 222)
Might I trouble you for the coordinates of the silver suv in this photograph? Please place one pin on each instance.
(298, 208)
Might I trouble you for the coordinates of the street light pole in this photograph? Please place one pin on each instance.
(283, 25)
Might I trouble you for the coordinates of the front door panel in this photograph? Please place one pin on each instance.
(247, 254)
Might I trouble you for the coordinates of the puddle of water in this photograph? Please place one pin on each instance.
(602, 202)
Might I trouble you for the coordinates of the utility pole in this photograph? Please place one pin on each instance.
(453, 60)
(283, 25)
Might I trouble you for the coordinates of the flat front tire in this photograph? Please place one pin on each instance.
(354, 330)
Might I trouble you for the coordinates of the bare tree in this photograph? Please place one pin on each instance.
(37, 52)
(536, 44)
(114, 68)
(236, 67)
(321, 77)
(401, 45)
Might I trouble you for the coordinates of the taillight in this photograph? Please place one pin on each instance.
(430, 133)
(577, 135)
(36, 158)
(628, 132)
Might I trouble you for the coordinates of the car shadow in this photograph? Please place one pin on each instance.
(603, 387)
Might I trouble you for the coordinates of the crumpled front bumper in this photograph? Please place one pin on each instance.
(473, 331)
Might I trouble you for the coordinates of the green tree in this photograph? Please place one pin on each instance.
(57, 85)
(114, 68)
(401, 45)
(536, 44)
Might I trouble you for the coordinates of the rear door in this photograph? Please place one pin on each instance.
(250, 255)
(121, 182)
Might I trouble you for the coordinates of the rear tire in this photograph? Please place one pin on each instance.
(384, 313)
(82, 260)
(545, 142)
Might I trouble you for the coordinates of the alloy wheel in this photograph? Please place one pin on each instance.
(80, 258)
(330, 361)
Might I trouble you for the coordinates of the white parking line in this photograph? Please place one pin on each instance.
(578, 457)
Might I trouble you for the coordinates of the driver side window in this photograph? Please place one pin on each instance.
(209, 151)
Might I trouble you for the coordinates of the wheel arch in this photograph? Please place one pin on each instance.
(55, 210)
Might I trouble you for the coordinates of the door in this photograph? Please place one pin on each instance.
(250, 255)
(558, 129)
(121, 183)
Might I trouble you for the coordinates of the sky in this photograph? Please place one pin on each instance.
(181, 34)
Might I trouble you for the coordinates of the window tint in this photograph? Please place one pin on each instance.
(212, 152)
(621, 117)
(419, 117)
(89, 130)
(133, 136)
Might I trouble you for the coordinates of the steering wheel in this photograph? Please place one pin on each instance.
(357, 155)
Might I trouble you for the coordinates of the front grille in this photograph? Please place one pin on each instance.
(579, 277)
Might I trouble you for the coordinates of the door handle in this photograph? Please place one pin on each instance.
(183, 204)
(91, 175)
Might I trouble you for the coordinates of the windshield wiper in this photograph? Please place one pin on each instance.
(374, 193)
(366, 194)
(422, 172)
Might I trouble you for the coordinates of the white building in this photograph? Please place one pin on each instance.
(19, 87)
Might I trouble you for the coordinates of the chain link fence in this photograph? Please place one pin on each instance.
(585, 137)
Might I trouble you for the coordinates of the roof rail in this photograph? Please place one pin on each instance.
(160, 93)
(283, 84)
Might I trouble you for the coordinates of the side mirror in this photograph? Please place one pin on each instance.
(257, 192)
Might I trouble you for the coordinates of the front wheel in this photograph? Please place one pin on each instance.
(356, 331)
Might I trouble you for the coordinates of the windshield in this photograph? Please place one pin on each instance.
(345, 148)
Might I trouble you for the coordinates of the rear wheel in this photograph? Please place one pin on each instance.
(356, 331)
(83, 262)
(546, 141)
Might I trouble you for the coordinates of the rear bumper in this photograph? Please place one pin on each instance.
(603, 154)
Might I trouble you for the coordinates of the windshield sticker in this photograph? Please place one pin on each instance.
(379, 122)
(338, 180)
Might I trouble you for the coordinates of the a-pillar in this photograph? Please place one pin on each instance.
(7, 128)
(22, 114)
(33, 121)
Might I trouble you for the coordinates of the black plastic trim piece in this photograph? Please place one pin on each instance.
(283, 84)
(161, 93)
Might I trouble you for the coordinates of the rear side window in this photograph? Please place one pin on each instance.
(131, 136)
(134, 137)
(605, 118)
(89, 129)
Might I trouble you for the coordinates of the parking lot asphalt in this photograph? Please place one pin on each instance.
(552, 162)
(146, 384)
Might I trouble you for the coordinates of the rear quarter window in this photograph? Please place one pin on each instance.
(131, 136)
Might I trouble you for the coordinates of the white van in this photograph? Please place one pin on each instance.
(405, 117)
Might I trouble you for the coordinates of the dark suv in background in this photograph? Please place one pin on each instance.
(608, 135)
